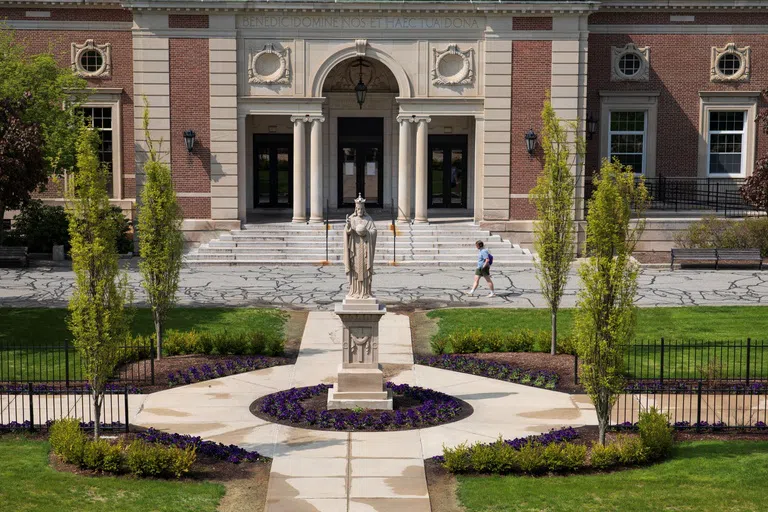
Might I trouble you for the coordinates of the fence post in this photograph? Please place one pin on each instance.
(749, 343)
(31, 409)
(66, 361)
(661, 366)
(698, 407)
(126, 409)
(576, 369)
(152, 363)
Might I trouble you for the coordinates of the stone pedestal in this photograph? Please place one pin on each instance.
(360, 379)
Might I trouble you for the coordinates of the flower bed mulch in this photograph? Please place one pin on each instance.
(515, 367)
(414, 407)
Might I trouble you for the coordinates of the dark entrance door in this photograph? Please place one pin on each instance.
(361, 158)
(273, 171)
(447, 171)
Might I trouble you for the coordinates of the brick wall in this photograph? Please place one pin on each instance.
(190, 110)
(531, 69)
(111, 15)
(187, 21)
(531, 23)
(680, 67)
(59, 41)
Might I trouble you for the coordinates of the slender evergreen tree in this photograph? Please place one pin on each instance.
(160, 239)
(554, 199)
(98, 318)
(605, 315)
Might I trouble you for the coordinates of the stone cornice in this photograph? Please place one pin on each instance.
(682, 5)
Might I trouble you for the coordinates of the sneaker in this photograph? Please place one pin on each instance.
(470, 292)
(492, 294)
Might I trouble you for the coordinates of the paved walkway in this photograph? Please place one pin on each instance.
(427, 286)
(353, 472)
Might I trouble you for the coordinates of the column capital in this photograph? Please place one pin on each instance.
(306, 118)
(413, 118)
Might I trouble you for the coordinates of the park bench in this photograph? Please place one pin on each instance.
(716, 256)
(16, 256)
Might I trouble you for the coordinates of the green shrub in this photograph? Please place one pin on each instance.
(631, 450)
(494, 340)
(222, 343)
(466, 342)
(483, 458)
(603, 457)
(655, 433)
(712, 232)
(104, 456)
(68, 441)
(114, 459)
(144, 459)
(531, 460)
(458, 459)
(564, 457)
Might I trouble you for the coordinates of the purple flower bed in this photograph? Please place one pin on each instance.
(17, 389)
(220, 369)
(435, 408)
(688, 386)
(553, 436)
(685, 425)
(231, 453)
(15, 426)
(491, 369)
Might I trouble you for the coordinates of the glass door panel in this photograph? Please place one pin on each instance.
(436, 182)
(284, 177)
(448, 171)
(272, 171)
(348, 174)
(372, 171)
(458, 177)
(262, 176)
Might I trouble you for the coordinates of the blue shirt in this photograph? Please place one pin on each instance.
(481, 257)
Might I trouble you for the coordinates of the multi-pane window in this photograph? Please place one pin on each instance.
(627, 139)
(726, 142)
(101, 119)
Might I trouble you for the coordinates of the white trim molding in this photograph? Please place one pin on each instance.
(744, 101)
(103, 50)
(626, 101)
(110, 97)
(453, 66)
(643, 71)
(741, 74)
(269, 66)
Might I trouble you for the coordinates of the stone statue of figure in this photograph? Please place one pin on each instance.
(359, 248)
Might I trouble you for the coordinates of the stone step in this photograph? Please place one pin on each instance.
(441, 237)
(501, 244)
(461, 253)
(381, 233)
(406, 263)
(275, 258)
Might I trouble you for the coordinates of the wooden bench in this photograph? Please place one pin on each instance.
(750, 255)
(716, 256)
(13, 256)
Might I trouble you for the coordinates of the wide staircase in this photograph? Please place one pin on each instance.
(284, 243)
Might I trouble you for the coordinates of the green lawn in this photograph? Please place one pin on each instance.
(48, 327)
(28, 483)
(698, 323)
(706, 476)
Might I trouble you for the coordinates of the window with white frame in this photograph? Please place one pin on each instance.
(726, 142)
(627, 138)
(100, 118)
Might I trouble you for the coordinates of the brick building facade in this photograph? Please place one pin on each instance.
(452, 88)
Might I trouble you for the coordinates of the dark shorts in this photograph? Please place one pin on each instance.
(484, 272)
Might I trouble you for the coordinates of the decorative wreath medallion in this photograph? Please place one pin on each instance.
(91, 60)
(453, 66)
(730, 64)
(270, 66)
(630, 63)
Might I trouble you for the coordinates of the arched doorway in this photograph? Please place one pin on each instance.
(362, 146)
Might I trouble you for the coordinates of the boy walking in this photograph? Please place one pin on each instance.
(484, 261)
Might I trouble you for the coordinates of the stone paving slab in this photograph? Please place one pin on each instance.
(320, 287)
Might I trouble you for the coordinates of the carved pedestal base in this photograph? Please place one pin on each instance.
(361, 381)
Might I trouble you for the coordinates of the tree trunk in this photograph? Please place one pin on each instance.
(554, 332)
(97, 401)
(159, 339)
(2, 216)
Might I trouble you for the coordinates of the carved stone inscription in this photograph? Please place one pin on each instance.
(361, 22)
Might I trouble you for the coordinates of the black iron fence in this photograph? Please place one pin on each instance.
(696, 406)
(35, 406)
(62, 363)
(716, 196)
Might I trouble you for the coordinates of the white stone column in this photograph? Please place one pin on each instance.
(404, 171)
(316, 170)
(421, 169)
(299, 169)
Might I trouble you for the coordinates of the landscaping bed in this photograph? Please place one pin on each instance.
(414, 408)
(559, 364)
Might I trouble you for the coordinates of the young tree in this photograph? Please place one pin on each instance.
(98, 320)
(21, 157)
(50, 102)
(553, 197)
(161, 242)
(605, 315)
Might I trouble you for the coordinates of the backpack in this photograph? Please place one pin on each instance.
(490, 259)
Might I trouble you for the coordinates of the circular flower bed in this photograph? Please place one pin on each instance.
(414, 407)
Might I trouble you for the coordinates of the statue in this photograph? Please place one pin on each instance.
(359, 248)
